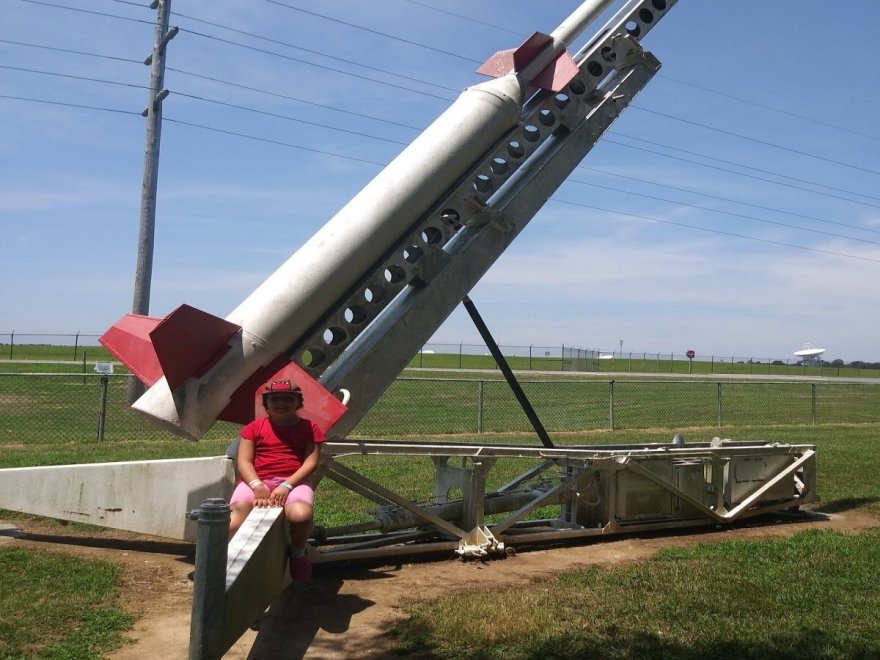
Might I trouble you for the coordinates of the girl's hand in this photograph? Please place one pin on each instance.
(262, 496)
(279, 496)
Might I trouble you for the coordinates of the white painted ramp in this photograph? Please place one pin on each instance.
(150, 497)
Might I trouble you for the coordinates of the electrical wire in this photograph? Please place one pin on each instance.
(715, 231)
(730, 213)
(743, 174)
(305, 50)
(314, 64)
(269, 141)
(725, 199)
(764, 106)
(286, 117)
(69, 105)
(372, 31)
(766, 143)
(746, 167)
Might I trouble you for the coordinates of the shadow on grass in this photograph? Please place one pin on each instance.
(846, 504)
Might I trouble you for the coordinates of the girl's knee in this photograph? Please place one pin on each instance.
(298, 512)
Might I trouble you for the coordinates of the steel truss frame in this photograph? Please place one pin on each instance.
(587, 490)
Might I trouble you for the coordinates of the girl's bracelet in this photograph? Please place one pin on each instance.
(253, 483)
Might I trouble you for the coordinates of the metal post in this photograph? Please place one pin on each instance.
(11, 343)
(144, 266)
(460, 345)
(102, 409)
(712, 365)
(75, 344)
(209, 583)
(530, 357)
(813, 403)
(480, 406)
(720, 409)
(611, 405)
(563, 357)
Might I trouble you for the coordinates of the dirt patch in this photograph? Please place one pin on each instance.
(347, 612)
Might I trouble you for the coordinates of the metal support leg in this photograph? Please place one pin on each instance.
(508, 373)
(207, 626)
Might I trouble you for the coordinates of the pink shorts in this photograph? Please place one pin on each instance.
(302, 492)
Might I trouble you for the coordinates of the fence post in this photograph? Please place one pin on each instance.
(209, 582)
(611, 405)
(11, 343)
(562, 361)
(480, 406)
(102, 408)
(720, 409)
(75, 344)
(813, 403)
(459, 354)
(712, 365)
(530, 357)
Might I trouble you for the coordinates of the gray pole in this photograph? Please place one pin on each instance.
(153, 112)
(207, 623)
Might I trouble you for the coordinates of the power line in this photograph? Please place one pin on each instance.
(276, 142)
(71, 76)
(756, 140)
(292, 98)
(747, 167)
(716, 231)
(462, 16)
(288, 118)
(743, 174)
(730, 213)
(69, 105)
(87, 11)
(765, 106)
(305, 50)
(377, 32)
(726, 199)
(319, 66)
(70, 51)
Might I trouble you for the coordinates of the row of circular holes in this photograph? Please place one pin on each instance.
(500, 166)
(373, 294)
(633, 28)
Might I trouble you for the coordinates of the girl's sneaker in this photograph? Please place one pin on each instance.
(300, 569)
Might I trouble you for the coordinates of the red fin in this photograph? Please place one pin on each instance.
(129, 340)
(189, 342)
(319, 404)
(555, 76)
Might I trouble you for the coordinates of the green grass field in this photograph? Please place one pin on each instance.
(812, 596)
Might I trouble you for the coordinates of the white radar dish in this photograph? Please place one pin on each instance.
(809, 351)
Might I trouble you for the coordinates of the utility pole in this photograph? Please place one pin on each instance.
(153, 112)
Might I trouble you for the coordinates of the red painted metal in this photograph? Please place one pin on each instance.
(129, 340)
(555, 76)
(189, 342)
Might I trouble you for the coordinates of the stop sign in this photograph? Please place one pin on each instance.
(691, 355)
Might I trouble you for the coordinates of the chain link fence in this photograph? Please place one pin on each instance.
(57, 408)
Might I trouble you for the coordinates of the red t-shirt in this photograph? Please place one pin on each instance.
(279, 451)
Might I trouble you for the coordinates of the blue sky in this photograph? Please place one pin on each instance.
(765, 111)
